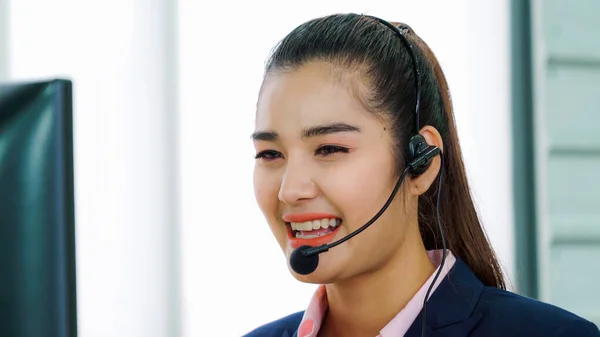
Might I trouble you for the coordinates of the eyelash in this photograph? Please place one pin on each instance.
(265, 155)
(332, 149)
(329, 150)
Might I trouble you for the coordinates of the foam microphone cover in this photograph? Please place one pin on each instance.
(302, 264)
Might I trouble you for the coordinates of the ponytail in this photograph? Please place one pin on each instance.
(463, 230)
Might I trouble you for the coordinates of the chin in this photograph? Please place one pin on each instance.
(317, 277)
(326, 273)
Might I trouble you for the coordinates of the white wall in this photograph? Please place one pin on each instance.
(120, 56)
(234, 276)
(489, 157)
(4, 36)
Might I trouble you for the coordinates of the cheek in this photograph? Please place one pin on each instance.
(361, 190)
(266, 190)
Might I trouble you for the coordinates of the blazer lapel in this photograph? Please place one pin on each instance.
(450, 308)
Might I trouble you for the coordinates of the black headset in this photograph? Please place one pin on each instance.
(417, 146)
(420, 155)
(305, 259)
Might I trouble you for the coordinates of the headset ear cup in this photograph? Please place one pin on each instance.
(417, 146)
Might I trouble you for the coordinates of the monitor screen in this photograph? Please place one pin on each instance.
(37, 222)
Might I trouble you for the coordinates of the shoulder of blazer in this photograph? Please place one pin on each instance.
(283, 327)
(518, 315)
(463, 306)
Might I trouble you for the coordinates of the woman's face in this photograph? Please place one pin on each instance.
(324, 168)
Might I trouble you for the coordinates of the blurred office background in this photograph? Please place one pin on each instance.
(169, 240)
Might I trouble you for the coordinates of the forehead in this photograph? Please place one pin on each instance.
(311, 95)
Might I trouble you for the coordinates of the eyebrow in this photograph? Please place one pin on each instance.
(313, 131)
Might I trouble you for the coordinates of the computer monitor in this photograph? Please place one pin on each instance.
(37, 222)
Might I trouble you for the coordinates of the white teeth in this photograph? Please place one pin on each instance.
(315, 224)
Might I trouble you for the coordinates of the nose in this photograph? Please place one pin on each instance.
(297, 185)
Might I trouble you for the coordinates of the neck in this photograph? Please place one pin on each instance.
(363, 305)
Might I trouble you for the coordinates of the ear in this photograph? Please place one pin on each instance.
(420, 184)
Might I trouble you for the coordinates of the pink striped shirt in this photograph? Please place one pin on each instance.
(314, 314)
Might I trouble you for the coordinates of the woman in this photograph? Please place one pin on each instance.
(335, 116)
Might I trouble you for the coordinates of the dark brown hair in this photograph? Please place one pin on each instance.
(357, 44)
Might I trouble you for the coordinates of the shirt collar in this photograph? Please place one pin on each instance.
(318, 305)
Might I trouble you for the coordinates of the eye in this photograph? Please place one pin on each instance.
(268, 155)
(328, 150)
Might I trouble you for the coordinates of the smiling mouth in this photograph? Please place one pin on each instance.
(314, 228)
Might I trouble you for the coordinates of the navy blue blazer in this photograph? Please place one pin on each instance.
(462, 306)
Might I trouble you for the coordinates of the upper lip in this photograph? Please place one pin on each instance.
(302, 217)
